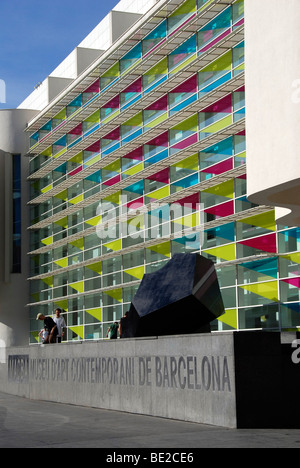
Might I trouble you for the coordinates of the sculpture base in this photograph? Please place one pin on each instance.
(168, 321)
(234, 379)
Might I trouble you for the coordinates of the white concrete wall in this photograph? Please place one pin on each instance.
(135, 6)
(45, 92)
(234, 379)
(13, 287)
(188, 378)
(272, 38)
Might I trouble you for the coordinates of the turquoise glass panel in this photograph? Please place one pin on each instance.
(216, 153)
(131, 58)
(183, 52)
(155, 37)
(214, 28)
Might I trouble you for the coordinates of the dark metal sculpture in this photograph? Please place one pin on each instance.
(183, 297)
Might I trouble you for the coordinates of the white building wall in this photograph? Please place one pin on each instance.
(99, 37)
(135, 6)
(272, 38)
(13, 286)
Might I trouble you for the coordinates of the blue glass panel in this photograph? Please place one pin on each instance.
(132, 136)
(131, 57)
(155, 37)
(47, 126)
(190, 242)
(188, 181)
(216, 83)
(62, 141)
(131, 101)
(226, 232)
(77, 102)
(111, 149)
(75, 142)
(267, 267)
(96, 177)
(217, 153)
(91, 130)
(214, 28)
(62, 169)
(184, 104)
(295, 307)
(159, 32)
(158, 157)
(188, 47)
(137, 188)
(156, 83)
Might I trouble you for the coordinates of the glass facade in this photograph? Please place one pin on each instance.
(16, 186)
(148, 161)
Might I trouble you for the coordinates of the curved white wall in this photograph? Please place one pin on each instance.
(272, 38)
(13, 287)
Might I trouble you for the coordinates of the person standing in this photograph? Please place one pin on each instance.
(123, 326)
(44, 334)
(112, 332)
(61, 325)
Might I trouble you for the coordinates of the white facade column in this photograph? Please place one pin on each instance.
(13, 286)
(272, 40)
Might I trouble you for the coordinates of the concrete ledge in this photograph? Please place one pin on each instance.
(231, 380)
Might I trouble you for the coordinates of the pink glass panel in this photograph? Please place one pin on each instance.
(215, 41)
(114, 135)
(192, 200)
(135, 87)
(113, 104)
(265, 243)
(221, 167)
(161, 104)
(161, 140)
(189, 86)
(293, 281)
(94, 88)
(186, 142)
(162, 176)
(137, 154)
(224, 105)
(136, 204)
(112, 181)
(76, 171)
(77, 130)
(94, 148)
(225, 209)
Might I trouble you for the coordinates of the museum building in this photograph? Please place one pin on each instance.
(135, 151)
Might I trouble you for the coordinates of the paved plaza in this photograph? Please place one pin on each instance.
(35, 424)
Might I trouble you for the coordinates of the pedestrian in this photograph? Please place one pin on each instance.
(123, 326)
(43, 334)
(50, 326)
(60, 323)
(112, 332)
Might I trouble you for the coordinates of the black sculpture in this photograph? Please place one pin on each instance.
(183, 297)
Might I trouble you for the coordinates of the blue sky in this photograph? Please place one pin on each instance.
(36, 35)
